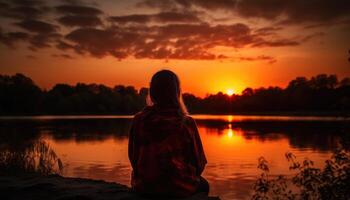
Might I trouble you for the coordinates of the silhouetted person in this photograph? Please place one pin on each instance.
(165, 149)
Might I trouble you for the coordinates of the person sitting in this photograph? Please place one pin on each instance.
(165, 149)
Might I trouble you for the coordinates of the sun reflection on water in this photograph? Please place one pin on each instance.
(230, 133)
(231, 137)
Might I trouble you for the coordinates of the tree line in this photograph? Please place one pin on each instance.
(319, 94)
(19, 95)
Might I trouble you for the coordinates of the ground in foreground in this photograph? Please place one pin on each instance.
(63, 188)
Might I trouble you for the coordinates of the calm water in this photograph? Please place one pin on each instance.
(96, 146)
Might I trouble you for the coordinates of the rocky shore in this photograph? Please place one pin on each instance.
(55, 187)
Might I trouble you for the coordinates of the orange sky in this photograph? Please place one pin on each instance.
(211, 47)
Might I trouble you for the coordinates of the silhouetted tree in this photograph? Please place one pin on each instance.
(20, 95)
(345, 82)
(323, 81)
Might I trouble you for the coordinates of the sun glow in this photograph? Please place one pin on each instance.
(230, 133)
(230, 92)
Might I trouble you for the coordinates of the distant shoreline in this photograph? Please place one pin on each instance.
(237, 117)
(321, 95)
(256, 113)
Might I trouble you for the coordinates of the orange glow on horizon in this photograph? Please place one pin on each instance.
(200, 81)
(230, 92)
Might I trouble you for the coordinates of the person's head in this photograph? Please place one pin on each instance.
(165, 91)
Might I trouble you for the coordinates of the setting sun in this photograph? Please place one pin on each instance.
(230, 92)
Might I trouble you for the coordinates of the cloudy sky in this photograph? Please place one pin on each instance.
(214, 45)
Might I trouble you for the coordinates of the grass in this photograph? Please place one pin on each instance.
(37, 157)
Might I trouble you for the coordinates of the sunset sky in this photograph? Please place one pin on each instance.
(213, 45)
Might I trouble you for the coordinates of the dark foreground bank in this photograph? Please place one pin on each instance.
(62, 188)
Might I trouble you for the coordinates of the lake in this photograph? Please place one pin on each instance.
(96, 146)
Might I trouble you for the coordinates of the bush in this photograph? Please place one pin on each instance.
(331, 182)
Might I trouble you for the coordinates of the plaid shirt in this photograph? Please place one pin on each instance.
(166, 153)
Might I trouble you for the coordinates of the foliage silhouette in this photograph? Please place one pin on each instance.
(319, 94)
(309, 182)
(36, 157)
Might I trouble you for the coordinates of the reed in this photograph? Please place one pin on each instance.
(38, 157)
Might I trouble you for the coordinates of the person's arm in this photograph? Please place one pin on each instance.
(131, 145)
(200, 159)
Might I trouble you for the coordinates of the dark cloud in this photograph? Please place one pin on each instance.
(63, 45)
(11, 38)
(137, 18)
(176, 17)
(270, 30)
(36, 41)
(23, 12)
(297, 11)
(75, 13)
(42, 40)
(179, 31)
(269, 9)
(78, 10)
(77, 20)
(65, 56)
(37, 26)
(269, 59)
(3, 5)
(162, 17)
(172, 41)
(286, 12)
(28, 2)
(275, 43)
(171, 4)
(234, 35)
(18, 35)
(100, 42)
(42, 35)
(22, 9)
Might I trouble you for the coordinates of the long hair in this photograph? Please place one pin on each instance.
(165, 91)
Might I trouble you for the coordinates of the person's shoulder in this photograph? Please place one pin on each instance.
(143, 112)
(189, 120)
(190, 125)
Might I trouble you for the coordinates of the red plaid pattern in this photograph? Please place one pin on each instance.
(166, 153)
